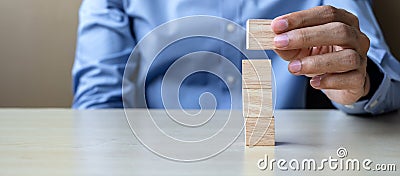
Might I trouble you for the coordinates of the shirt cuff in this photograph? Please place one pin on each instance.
(375, 105)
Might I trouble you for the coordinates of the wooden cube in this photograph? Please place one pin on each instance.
(257, 102)
(259, 35)
(260, 131)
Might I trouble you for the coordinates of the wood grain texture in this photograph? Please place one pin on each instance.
(256, 73)
(259, 35)
(257, 89)
(257, 102)
(260, 131)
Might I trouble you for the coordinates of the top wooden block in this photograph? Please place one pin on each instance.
(259, 35)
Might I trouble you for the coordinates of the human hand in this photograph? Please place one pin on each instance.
(325, 43)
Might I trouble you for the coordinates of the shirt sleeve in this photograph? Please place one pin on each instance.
(386, 98)
(104, 44)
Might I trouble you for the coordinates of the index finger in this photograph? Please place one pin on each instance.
(313, 17)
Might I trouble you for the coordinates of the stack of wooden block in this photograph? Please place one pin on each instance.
(257, 88)
(257, 102)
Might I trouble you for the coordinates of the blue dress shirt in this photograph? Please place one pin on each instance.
(110, 29)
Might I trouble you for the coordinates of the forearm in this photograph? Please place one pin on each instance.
(103, 47)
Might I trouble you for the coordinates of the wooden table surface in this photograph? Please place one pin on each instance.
(100, 142)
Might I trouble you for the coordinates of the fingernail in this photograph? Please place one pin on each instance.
(295, 66)
(316, 81)
(281, 25)
(281, 40)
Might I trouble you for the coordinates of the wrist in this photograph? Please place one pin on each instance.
(373, 80)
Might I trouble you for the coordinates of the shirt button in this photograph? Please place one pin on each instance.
(230, 27)
(230, 80)
(116, 16)
(349, 106)
(373, 104)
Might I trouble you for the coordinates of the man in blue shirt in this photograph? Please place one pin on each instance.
(336, 43)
